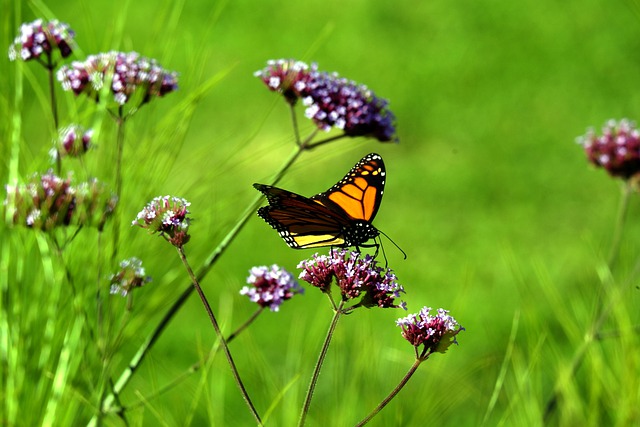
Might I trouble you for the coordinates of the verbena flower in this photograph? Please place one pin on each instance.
(37, 38)
(331, 101)
(270, 286)
(356, 276)
(129, 74)
(286, 76)
(48, 201)
(617, 150)
(131, 275)
(73, 141)
(168, 216)
(433, 333)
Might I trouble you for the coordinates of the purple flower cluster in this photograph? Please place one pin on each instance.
(73, 141)
(331, 101)
(129, 73)
(37, 38)
(287, 76)
(270, 286)
(168, 216)
(355, 276)
(48, 201)
(617, 149)
(131, 275)
(435, 333)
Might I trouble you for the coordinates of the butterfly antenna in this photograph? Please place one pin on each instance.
(384, 254)
(394, 244)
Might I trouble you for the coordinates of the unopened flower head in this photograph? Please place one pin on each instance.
(129, 74)
(434, 333)
(73, 141)
(270, 286)
(131, 275)
(356, 276)
(168, 216)
(37, 38)
(617, 149)
(331, 101)
(48, 201)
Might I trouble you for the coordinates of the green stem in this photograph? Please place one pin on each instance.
(294, 121)
(393, 393)
(620, 221)
(216, 327)
(320, 361)
(54, 106)
(594, 331)
(99, 302)
(310, 146)
(120, 121)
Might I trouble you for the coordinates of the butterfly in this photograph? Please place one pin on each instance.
(341, 216)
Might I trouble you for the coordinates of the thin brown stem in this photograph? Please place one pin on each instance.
(216, 327)
(319, 362)
(294, 122)
(197, 365)
(393, 393)
(120, 121)
(245, 325)
(50, 65)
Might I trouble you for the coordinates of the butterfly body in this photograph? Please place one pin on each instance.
(340, 217)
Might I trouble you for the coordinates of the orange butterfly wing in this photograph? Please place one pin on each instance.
(341, 216)
(359, 193)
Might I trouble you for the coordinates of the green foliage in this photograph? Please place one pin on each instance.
(503, 221)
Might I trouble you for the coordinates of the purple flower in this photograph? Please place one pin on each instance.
(37, 38)
(617, 149)
(130, 276)
(331, 101)
(357, 277)
(286, 76)
(48, 201)
(270, 286)
(129, 73)
(73, 141)
(168, 216)
(434, 333)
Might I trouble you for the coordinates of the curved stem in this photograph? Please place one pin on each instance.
(216, 327)
(320, 361)
(393, 393)
(197, 365)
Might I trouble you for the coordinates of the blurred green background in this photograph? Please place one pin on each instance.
(500, 215)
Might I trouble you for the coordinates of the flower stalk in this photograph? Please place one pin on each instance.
(393, 393)
(221, 338)
(316, 371)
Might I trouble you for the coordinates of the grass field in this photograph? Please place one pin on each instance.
(504, 221)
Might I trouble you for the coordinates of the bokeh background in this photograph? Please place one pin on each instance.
(503, 220)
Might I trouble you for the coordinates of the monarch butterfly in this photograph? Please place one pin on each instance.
(341, 216)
